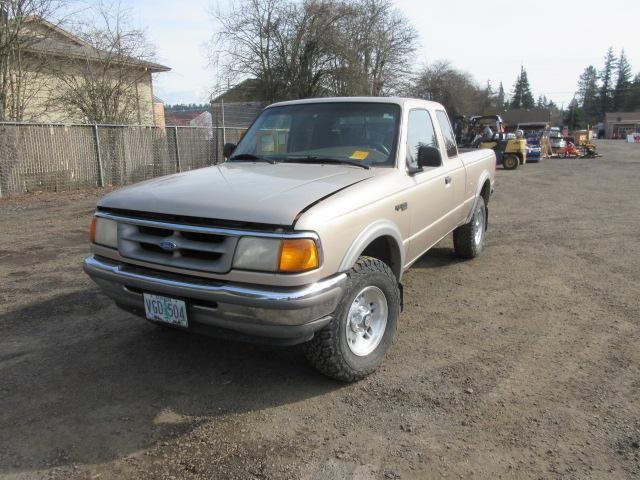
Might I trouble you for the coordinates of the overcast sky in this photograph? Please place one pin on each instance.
(554, 40)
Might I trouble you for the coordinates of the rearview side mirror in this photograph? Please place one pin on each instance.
(429, 157)
(228, 149)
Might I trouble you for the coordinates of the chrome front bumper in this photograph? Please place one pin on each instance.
(291, 315)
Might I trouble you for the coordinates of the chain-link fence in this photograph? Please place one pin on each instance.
(54, 157)
(236, 114)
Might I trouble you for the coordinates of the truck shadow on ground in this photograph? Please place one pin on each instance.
(437, 257)
(83, 382)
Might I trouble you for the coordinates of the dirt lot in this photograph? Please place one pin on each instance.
(523, 363)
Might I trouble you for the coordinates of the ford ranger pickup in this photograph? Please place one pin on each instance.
(303, 234)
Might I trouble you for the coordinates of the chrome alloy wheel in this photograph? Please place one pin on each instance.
(367, 321)
(478, 225)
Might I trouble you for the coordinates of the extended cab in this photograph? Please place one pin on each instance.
(303, 234)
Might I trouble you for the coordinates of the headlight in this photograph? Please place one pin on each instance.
(257, 254)
(276, 255)
(104, 232)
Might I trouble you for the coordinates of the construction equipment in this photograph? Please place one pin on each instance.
(477, 129)
(510, 152)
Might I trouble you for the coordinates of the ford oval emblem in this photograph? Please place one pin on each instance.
(168, 245)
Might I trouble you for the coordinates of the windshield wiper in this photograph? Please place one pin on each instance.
(315, 159)
(251, 158)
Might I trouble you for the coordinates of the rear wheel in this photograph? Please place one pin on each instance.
(468, 239)
(510, 162)
(362, 331)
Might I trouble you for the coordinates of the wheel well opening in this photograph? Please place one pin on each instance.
(485, 193)
(386, 250)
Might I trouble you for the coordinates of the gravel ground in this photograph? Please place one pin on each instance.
(523, 363)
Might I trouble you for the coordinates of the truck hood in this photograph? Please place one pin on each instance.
(246, 192)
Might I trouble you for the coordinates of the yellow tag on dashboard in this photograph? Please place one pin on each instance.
(359, 155)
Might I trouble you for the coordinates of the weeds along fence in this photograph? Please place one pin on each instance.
(56, 157)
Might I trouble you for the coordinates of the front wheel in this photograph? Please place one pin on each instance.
(510, 162)
(468, 239)
(362, 331)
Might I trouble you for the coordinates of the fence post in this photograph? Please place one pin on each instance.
(178, 168)
(98, 155)
(224, 130)
(1, 169)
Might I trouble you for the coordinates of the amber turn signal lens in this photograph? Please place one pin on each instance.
(92, 230)
(298, 255)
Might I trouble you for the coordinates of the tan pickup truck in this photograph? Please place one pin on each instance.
(303, 234)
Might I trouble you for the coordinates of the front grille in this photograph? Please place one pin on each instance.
(177, 246)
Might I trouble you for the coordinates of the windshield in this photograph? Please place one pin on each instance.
(362, 133)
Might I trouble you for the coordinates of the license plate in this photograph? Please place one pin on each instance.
(165, 310)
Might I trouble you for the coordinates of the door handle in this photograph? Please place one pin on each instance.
(447, 180)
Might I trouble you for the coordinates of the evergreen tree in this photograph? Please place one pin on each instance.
(574, 117)
(542, 102)
(607, 83)
(522, 96)
(527, 96)
(516, 97)
(588, 96)
(623, 84)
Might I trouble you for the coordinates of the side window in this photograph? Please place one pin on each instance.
(447, 133)
(420, 133)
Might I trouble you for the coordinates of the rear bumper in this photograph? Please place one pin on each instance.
(279, 315)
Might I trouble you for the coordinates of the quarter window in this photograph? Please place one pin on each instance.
(447, 133)
(420, 133)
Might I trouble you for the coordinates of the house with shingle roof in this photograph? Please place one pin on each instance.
(620, 124)
(515, 116)
(183, 118)
(52, 49)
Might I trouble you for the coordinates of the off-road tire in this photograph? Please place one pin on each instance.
(328, 351)
(464, 237)
(510, 162)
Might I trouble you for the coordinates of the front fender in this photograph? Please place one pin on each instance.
(380, 228)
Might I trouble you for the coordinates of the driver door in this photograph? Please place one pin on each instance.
(432, 194)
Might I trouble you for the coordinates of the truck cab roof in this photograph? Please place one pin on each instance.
(402, 101)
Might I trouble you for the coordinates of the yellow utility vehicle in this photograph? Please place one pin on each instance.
(510, 152)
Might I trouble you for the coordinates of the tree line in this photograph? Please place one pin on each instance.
(293, 49)
(318, 48)
(186, 107)
(613, 88)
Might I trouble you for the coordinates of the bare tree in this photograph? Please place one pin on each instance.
(100, 81)
(246, 41)
(455, 89)
(308, 49)
(380, 45)
(21, 66)
(316, 47)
